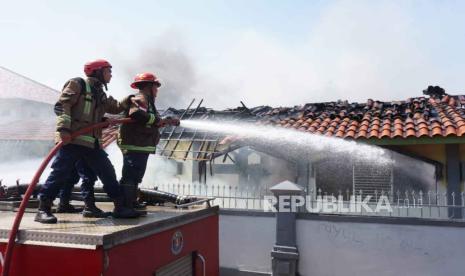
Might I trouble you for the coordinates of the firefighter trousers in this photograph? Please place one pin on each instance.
(80, 171)
(134, 166)
(64, 164)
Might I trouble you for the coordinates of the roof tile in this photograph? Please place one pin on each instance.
(423, 132)
(450, 131)
(398, 133)
(350, 134)
(362, 134)
(437, 131)
(461, 131)
(385, 133)
(340, 134)
(410, 133)
(373, 133)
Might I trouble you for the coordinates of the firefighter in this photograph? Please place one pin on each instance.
(137, 141)
(84, 102)
(81, 171)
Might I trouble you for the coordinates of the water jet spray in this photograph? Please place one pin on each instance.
(295, 144)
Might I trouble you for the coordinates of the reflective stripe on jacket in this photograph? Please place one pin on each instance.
(143, 135)
(84, 106)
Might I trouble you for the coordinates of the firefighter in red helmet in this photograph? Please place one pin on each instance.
(137, 141)
(83, 102)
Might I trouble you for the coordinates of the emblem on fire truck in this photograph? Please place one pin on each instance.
(177, 243)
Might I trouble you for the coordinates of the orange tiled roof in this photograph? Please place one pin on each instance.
(442, 116)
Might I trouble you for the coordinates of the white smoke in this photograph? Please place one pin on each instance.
(159, 169)
(355, 50)
(24, 170)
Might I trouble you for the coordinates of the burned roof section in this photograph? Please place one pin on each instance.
(183, 143)
(436, 114)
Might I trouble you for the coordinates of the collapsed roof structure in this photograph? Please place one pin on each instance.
(434, 118)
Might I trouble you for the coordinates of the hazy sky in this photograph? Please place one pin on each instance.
(278, 53)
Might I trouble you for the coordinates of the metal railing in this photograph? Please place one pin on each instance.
(231, 197)
(409, 203)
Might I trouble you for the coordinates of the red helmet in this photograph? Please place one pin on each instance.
(145, 77)
(97, 64)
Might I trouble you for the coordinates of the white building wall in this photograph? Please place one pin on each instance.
(339, 248)
(333, 248)
(246, 242)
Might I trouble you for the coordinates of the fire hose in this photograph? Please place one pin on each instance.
(35, 180)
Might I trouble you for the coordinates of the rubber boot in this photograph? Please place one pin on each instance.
(132, 201)
(139, 205)
(92, 211)
(44, 215)
(122, 211)
(136, 204)
(65, 207)
(130, 196)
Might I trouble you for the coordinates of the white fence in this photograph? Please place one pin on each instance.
(419, 204)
